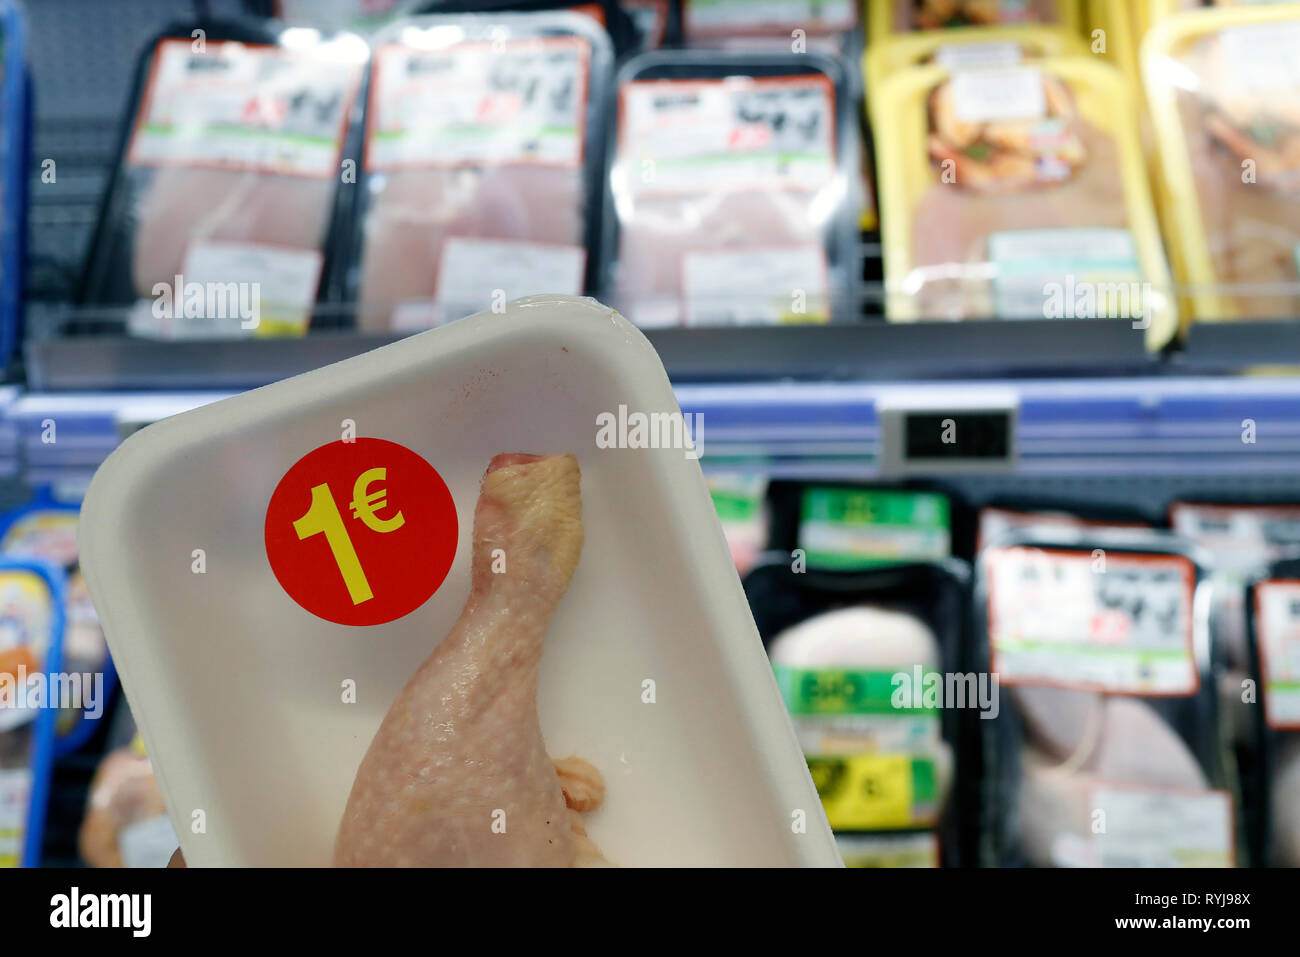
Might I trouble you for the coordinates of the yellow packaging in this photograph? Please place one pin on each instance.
(888, 18)
(997, 45)
(1224, 91)
(1040, 212)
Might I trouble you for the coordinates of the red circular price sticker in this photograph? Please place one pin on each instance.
(361, 532)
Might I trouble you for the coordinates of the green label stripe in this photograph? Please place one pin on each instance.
(163, 129)
(876, 507)
(828, 774)
(1101, 651)
(1283, 686)
(734, 506)
(846, 691)
(470, 131)
(838, 561)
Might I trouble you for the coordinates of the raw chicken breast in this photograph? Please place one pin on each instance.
(182, 205)
(1130, 745)
(458, 773)
(413, 212)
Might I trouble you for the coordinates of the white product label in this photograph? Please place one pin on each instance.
(755, 286)
(730, 15)
(1277, 627)
(995, 523)
(473, 273)
(147, 843)
(15, 794)
(691, 136)
(1067, 273)
(1262, 56)
(963, 56)
(238, 106)
(234, 289)
(1015, 93)
(915, 849)
(1100, 621)
(1154, 828)
(518, 101)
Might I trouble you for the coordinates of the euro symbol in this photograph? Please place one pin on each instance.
(365, 503)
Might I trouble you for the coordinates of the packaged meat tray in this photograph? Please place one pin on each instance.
(1018, 192)
(221, 215)
(31, 654)
(965, 47)
(863, 659)
(1273, 613)
(730, 186)
(295, 552)
(1223, 87)
(483, 163)
(888, 18)
(1106, 751)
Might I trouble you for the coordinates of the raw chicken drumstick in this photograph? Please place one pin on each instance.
(458, 774)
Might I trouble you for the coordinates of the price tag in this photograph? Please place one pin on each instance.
(948, 432)
(362, 532)
(866, 791)
(1096, 621)
(1277, 631)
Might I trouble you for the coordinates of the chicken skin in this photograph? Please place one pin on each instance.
(458, 773)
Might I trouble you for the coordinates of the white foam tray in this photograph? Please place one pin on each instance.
(236, 688)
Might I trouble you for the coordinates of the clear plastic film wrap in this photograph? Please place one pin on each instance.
(1106, 751)
(1224, 91)
(729, 188)
(892, 17)
(483, 149)
(218, 219)
(1018, 192)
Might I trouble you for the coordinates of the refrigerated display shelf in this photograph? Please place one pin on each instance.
(1227, 427)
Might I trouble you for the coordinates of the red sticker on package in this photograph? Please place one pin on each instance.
(361, 532)
(1096, 621)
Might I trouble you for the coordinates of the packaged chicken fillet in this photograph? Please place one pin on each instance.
(729, 184)
(1018, 192)
(863, 660)
(31, 646)
(217, 222)
(963, 47)
(1106, 751)
(1223, 87)
(1273, 610)
(484, 146)
(889, 18)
